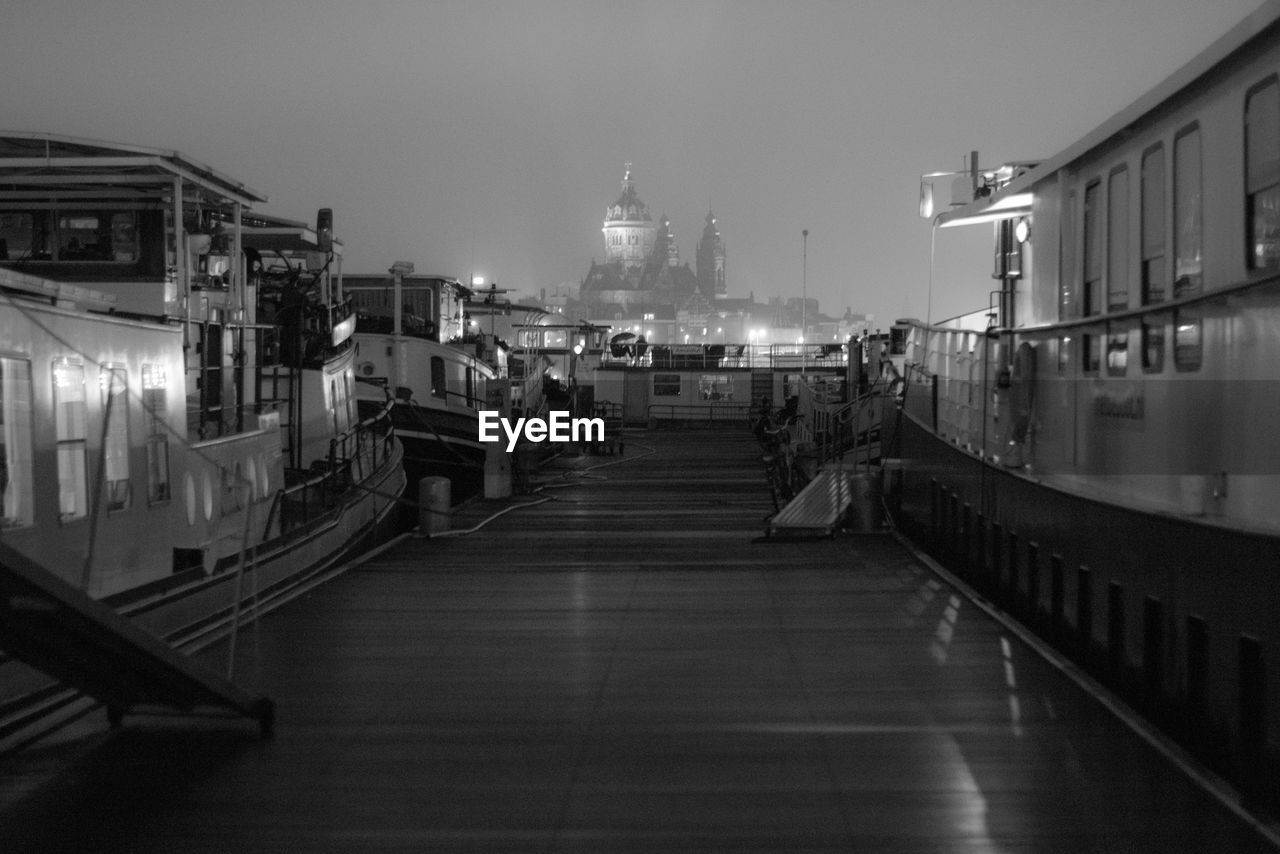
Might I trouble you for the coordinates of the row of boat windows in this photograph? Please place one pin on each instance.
(1170, 234)
(82, 235)
(71, 391)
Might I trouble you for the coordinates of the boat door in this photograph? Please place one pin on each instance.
(635, 396)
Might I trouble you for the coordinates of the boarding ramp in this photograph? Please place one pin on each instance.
(836, 497)
(52, 626)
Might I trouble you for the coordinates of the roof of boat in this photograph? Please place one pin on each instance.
(75, 156)
(1251, 27)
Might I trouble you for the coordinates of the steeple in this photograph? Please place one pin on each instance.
(710, 259)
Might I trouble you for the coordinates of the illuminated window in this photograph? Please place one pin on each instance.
(70, 428)
(1153, 226)
(1188, 343)
(115, 449)
(715, 387)
(155, 406)
(1117, 354)
(1262, 174)
(16, 489)
(1188, 238)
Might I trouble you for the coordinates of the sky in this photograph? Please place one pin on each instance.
(487, 137)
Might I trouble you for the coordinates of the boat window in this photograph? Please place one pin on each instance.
(1090, 355)
(715, 387)
(1153, 226)
(1262, 173)
(1188, 343)
(1118, 240)
(1117, 352)
(16, 485)
(115, 450)
(70, 429)
(1092, 249)
(471, 386)
(1153, 345)
(97, 235)
(1187, 234)
(1066, 252)
(666, 385)
(1064, 355)
(155, 408)
(17, 232)
(439, 383)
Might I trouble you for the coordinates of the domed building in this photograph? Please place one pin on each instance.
(642, 264)
(629, 232)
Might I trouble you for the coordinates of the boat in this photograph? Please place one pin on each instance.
(1095, 447)
(180, 434)
(417, 347)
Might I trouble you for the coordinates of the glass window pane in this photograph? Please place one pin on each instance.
(1092, 250)
(1118, 241)
(1153, 345)
(1188, 263)
(1188, 347)
(116, 448)
(16, 486)
(1153, 226)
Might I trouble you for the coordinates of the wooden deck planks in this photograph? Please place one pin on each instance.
(624, 669)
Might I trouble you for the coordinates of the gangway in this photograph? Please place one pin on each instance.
(52, 626)
(816, 509)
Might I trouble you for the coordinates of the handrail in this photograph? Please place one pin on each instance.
(364, 447)
(713, 412)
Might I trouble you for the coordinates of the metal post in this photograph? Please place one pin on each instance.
(804, 299)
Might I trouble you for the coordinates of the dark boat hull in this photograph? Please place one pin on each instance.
(1172, 612)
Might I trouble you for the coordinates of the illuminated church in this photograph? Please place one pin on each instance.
(642, 264)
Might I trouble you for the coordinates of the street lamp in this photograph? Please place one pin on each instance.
(804, 296)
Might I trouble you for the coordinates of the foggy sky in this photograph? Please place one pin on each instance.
(489, 137)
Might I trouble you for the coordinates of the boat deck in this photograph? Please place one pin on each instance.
(626, 667)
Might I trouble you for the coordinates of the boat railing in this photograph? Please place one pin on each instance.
(851, 429)
(718, 412)
(712, 356)
(353, 457)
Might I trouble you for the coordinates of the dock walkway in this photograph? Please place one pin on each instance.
(626, 668)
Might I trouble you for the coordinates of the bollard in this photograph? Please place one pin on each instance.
(434, 505)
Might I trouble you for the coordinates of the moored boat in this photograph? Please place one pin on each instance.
(176, 388)
(1096, 447)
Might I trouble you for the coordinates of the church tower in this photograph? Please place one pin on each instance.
(710, 260)
(629, 232)
(665, 250)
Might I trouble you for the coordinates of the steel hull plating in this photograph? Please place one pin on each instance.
(1174, 613)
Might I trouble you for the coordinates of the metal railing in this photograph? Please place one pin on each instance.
(840, 429)
(353, 456)
(709, 413)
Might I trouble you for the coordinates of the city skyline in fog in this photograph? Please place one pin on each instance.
(488, 137)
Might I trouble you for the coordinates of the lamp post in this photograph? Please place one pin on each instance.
(804, 296)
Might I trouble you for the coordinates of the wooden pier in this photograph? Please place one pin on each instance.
(628, 667)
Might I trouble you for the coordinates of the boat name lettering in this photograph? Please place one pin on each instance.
(557, 427)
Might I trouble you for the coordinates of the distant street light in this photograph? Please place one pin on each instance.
(804, 296)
